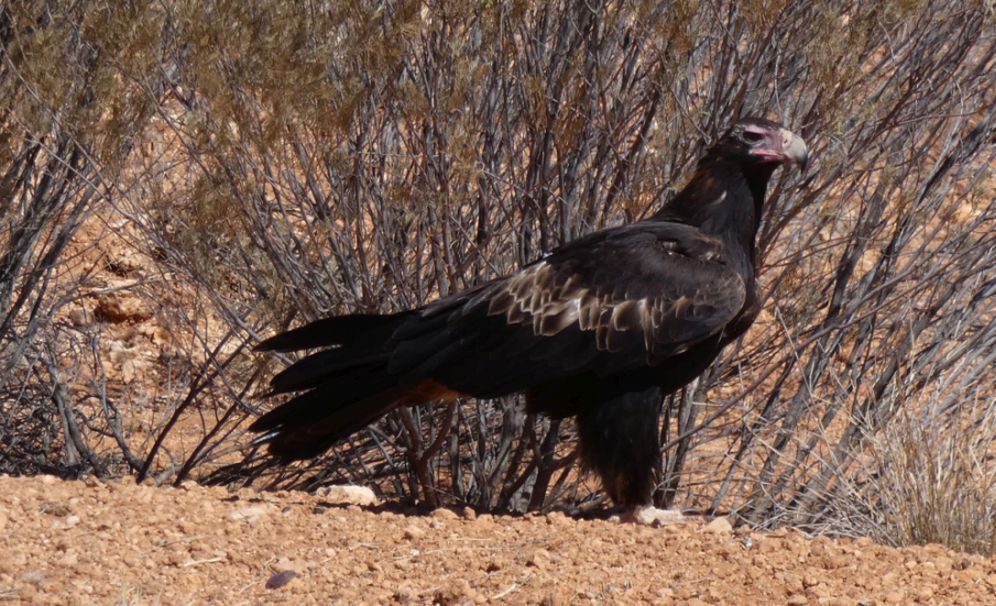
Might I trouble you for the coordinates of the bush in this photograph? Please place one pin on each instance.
(67, 127)
(926, 478)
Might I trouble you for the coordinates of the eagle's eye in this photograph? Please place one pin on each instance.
(752, 136)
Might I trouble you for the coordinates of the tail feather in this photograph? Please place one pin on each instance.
(356, 342)
(338, 330)
(312, 405)
(305, 440)
(348, 386)
(324, 366)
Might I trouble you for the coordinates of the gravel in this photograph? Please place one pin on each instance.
(90, 542)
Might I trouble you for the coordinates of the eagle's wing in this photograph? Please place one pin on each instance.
(605, 304)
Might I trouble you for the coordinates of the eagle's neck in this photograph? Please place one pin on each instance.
(723, 199)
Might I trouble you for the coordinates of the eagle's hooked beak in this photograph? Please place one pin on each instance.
(783, 146)
(794, 149)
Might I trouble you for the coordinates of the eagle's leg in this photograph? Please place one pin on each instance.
(620, 440)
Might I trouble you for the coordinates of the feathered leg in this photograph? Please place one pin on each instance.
(620, 440)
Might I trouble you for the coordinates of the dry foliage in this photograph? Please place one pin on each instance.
(283, 161)
(928, 477)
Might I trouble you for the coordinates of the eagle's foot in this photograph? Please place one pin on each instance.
(652, 516)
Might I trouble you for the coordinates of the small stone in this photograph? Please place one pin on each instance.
(556, 518)
(444, 514)
(684, 594)
(793, 582)
(944, 565)
(539, 558)
(35, 578)
(348, 495)
(968, 575)
(54, 508)
(797, 600)
(719, 526)
(468, 513)
(924, 594)
(281, 579)
(822, 591)
(413, 532)
(769, 545)
(72, 520)
(894, 597)
(458, 592)
(28, 594)
(144, 495)
(250, 514)
(48, 480)
(177, 558)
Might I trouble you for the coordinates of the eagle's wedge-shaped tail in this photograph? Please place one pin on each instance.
(348, 329)
(349, 386)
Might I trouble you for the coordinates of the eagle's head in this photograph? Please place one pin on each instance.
(756, 142)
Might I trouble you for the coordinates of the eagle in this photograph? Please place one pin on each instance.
(600, 329)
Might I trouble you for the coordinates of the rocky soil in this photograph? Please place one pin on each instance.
(91, 542)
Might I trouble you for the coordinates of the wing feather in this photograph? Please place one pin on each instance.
(624, 298)
(685, 296)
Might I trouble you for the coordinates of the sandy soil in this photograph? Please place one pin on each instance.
(118, 543)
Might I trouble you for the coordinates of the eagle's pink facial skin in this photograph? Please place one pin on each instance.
(782, 146)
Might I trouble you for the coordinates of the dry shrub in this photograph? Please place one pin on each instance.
(929, 477)
(67, 122)
(939, 486)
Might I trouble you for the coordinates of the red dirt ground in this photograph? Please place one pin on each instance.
(91, 542)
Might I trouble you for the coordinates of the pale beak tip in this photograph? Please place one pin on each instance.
(795, 150)
(803, 160)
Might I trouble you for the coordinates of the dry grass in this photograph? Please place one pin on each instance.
(932, 478)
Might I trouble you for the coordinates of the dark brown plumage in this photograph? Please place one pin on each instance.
(601, 328)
